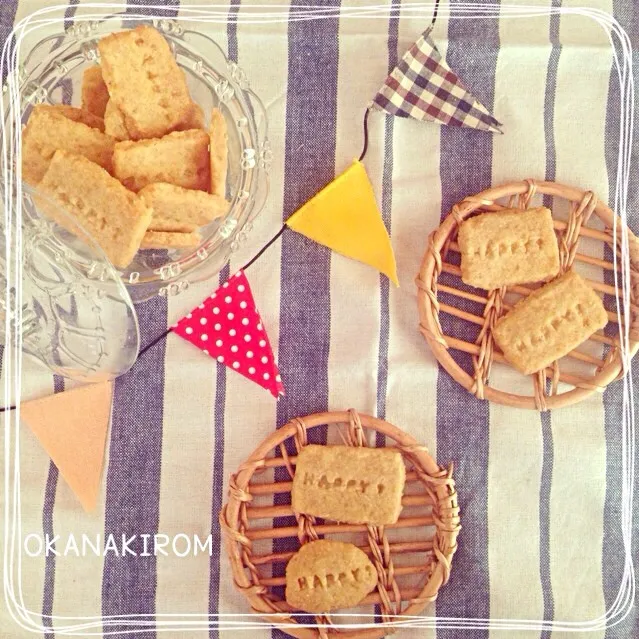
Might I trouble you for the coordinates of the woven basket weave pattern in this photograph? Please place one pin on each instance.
(394, 597)
(546, 392)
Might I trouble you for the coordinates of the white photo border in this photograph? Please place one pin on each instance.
(255, 14)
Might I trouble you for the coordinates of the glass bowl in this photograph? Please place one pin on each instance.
(52, 73)
(65, 304)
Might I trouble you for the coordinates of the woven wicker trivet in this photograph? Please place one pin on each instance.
(413, 557)
(586, 243)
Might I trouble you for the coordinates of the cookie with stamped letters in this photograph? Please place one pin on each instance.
(180, 158)
(549, 323)
(116, 218)
(325, 575)
(167, 240)
(356, 485)
(145, 82)
(508, 247)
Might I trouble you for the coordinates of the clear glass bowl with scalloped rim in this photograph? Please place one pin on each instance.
(52, 73)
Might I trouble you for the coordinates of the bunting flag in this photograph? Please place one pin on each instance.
(344, 217)
(227, 326)
(72, 428)
(422, 86)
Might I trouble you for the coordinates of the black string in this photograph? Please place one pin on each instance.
(274, 239)
(361, 157)
(7, 408)
(159, 338)
(252, 261)
(365, 149)
(266, 246)
(432, 24)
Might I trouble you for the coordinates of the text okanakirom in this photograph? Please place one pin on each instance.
(142, 545)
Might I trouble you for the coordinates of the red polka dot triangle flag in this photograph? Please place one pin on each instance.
(227, 326)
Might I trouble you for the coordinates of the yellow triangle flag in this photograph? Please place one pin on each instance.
(72, 428)
(344, 216)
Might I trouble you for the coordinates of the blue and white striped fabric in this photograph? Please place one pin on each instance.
(539, 495)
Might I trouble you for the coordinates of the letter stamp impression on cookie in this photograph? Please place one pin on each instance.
(549, 323)
(324, 575)
(508, 247)
(349, 484)
(115, 217)
(144, 81)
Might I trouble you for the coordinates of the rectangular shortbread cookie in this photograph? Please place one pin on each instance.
(116, 218)
(349, 484)
(95, 94)
(195, 119)
(549, 323)
(195, 116)
(165, 240)
(75, 114)
(114, 123)
(219, 152)
(181, 210)
(144, 81)
(325, 575)
(180, 158)
(49, 130)
(508, 247)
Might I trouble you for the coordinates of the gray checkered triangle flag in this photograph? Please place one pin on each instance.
(422, 86)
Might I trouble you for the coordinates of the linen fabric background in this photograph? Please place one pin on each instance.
(539, 494)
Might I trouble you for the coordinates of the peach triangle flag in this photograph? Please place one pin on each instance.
(344, 216)
(72, 428)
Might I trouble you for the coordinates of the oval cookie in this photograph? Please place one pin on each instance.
(324, 575)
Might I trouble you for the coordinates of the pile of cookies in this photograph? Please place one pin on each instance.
(135, 165)
(348, 485)
(517, 247)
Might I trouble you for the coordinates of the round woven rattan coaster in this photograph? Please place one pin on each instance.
(413, 557)
(456, 319)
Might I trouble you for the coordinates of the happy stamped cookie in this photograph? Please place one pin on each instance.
(549, 323)
(347, 484)
(329, 574)
(180, 158)
(508, 247)
(116, 218)
(51, 129)
(324, 575)
(145, 82)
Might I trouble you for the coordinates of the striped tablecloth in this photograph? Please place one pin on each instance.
(539, 493)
